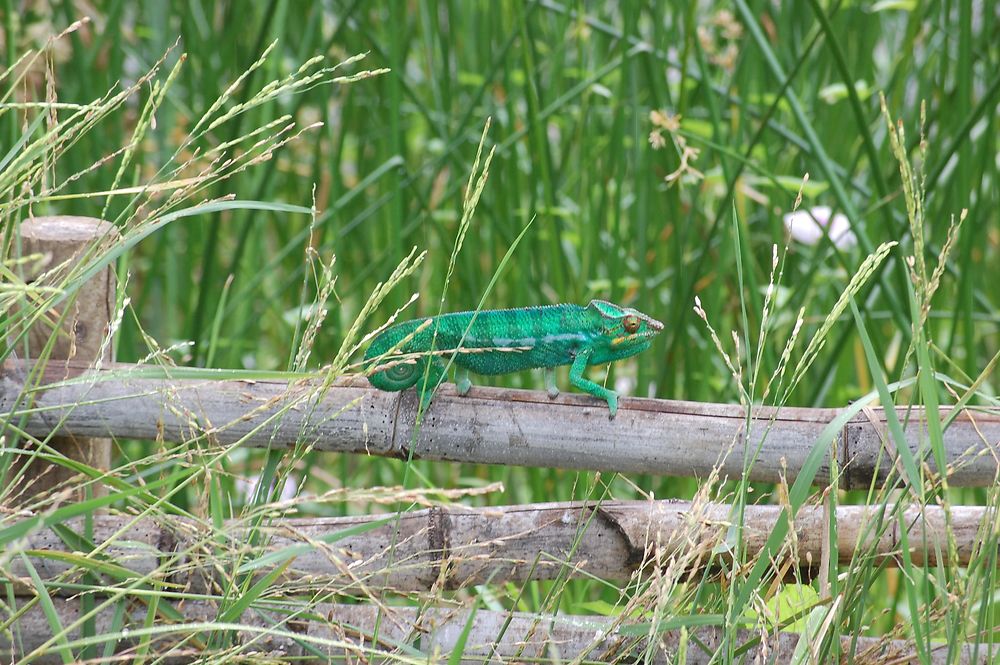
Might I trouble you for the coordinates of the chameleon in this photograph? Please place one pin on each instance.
(500, 341)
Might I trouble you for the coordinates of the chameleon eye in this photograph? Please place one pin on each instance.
(631, 324)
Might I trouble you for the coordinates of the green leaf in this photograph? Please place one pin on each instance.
(233, 612)
(673, 623)
(811, 636)
(887, 5)
(456, 657)
(835, 92)
(793, 600)
(898, 435)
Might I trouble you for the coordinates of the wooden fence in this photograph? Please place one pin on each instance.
(437, 548)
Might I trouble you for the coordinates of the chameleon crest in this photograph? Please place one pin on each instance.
(413, 353)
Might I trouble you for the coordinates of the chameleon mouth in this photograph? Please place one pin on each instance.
(654, 327)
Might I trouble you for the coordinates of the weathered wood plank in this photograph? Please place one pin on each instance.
(345, 634)
(457, 547)
(490, 426)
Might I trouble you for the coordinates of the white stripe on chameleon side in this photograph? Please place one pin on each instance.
(534, 341)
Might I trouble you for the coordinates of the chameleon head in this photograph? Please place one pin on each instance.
(626, 331)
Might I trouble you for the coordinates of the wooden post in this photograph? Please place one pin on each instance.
(64, 241)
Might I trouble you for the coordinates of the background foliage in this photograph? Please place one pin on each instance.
(655, 146)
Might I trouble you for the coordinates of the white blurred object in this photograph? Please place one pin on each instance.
(809, 227)
(248, 487)
(624, 385)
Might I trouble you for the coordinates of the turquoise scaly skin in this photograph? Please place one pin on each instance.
(500, 341)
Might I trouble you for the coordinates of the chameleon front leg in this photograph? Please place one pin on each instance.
(550, 382)
(577, 378)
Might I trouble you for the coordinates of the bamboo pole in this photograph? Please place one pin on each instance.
(344, 633)
(495, 426)
(455, 547)
(81, 325)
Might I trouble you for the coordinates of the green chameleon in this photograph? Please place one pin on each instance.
(509, 340)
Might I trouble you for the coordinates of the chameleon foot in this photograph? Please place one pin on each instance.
(577, 378)
(550, 382)
(612, 405)
(462, 382)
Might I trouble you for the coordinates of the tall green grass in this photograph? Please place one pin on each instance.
(656, 148)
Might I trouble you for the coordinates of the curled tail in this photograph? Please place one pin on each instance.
(399, 375)
(403, 373)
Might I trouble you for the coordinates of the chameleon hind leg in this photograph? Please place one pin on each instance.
(462, 382)
(550, 382)
(577, 378)
(428, 382)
